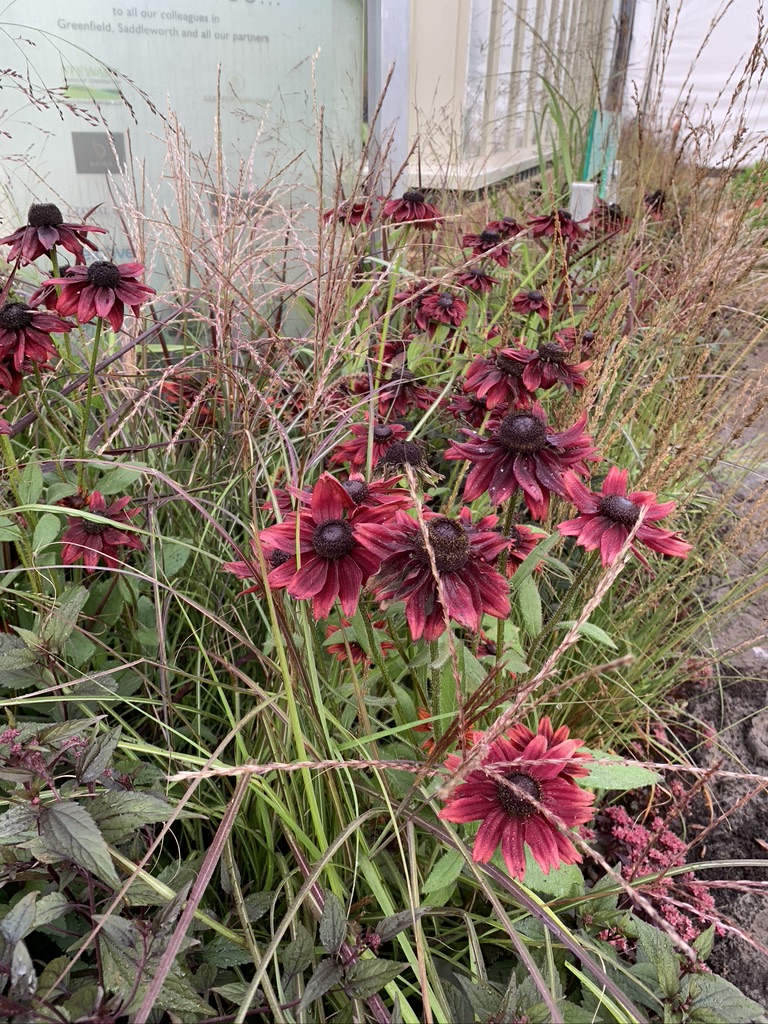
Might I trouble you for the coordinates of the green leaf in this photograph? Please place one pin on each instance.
(120, 814)
(529, 602)
(333, 925)
(524, 570)
(23, 976)
(391, 926)
(618, 775)
(31, 484)
(62, 619)
(713, 1000)
(97, 756)
(15, 658)
(297, 955)
(16, 824)
(47, 530)
(70, 831)
(703, 943)
(20, 919)
(483, 999)
(9, 531)
(115, 481)
(325, 976)
(597, 634)
(445, 870)
(50, 908)
(222, 953)
(367, 977)
(258, 903)
(655, 947)
(563, 882)
(174, 557)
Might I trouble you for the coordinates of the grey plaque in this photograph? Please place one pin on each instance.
(98, 152)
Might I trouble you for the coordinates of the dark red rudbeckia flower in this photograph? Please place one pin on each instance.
(412, 208)
(488, 243)
(102, 289)
(377, 496)
(469, 408)
(546, 366)
(559, 222)
(273, 558)
(524, 452)
(608, 219)
(45, 229)
(356, 649)
(507, 227)
(440, 308)
(470, 586)
(11, 379)
(654, 203)
(476, 279)
(522, 541)
(532, 302)
(90, 543)
(400, 454)
(355, 450)
(350, 213)
(334, 562)
(25, 334)
(402, 392)
(498, 379)
(525, 786)
(605, 519)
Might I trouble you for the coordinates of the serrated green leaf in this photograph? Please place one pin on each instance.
(333, 925)
(529, 603)
(222, 953)
(619, 775)
(62, 618)
(119, 814)
(30, 485)
(20, 919)
(445, 870)
(297, 955)
(325, 976)
(484, 1000)
(367, 977)
(47, 530)
(50, 908)
(233, 992)
(655, 947)
(391, 926)
(16, 823)
(713, 995)
(15, 657)
(563, 882)
(23, 976)
(97, 756)
(69, 830)
(258, 903)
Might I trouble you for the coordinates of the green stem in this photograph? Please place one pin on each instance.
(567, 603)
(376, 650)
(509, 514)
(88, 400)
(437, 725)
(22, 545)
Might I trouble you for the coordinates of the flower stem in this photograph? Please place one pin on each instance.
(435, 690)
(509, 514)
(22, 545)
(567, 603)
(376, 650)
(88, 400)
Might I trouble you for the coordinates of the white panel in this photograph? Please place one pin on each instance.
(478, 59)
(507, 25)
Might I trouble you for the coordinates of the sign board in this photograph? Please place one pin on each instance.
(108, 79)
